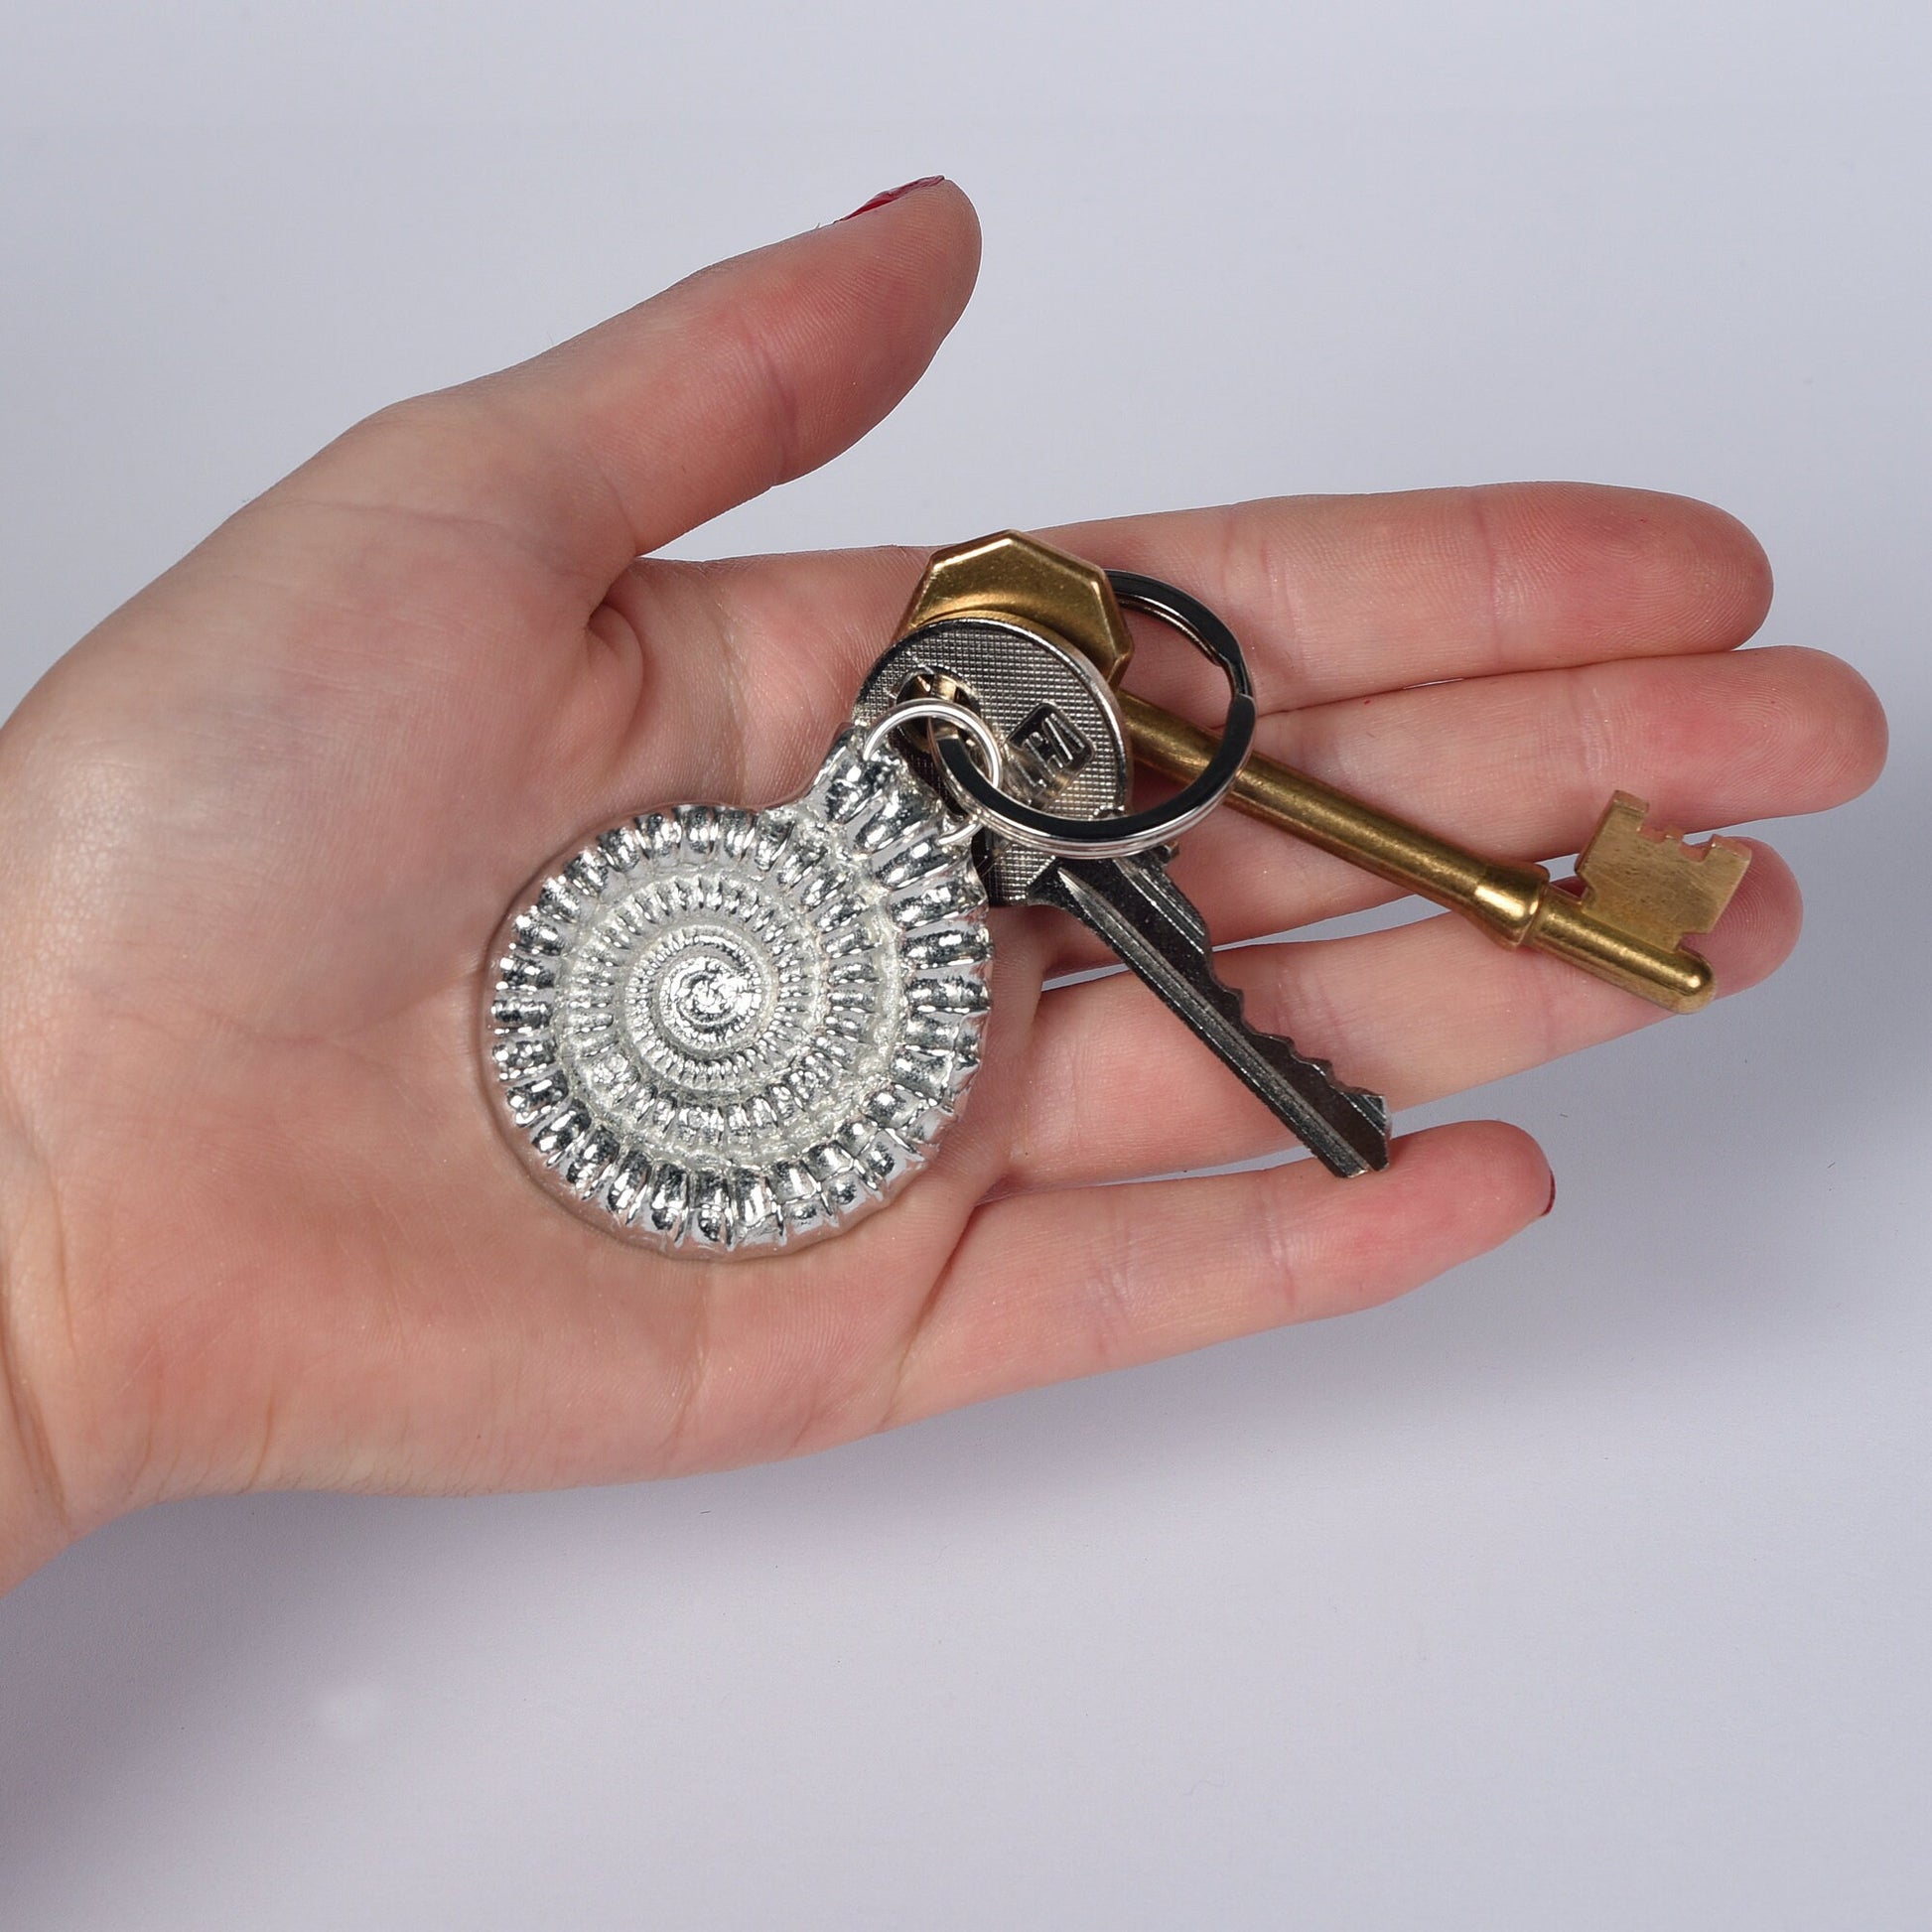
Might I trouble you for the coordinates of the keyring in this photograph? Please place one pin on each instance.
(1127, 833)
(942, 711)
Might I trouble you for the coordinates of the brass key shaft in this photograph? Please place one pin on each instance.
(1643, 892)
(1517, 903)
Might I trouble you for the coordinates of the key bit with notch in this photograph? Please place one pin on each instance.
(1642, 893)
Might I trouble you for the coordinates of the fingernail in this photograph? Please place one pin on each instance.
(1552, 1201)
(893, 194)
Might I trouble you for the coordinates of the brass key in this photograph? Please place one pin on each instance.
(1642, 893)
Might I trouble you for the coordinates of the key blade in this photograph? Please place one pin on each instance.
(1653, 884)
(1153, 928)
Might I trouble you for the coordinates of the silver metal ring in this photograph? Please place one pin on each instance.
(945, 712)
(1134, 832)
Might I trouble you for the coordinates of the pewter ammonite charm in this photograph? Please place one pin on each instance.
(733, 1030)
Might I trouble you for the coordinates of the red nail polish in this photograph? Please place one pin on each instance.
(893, 194)
(1552, 1201)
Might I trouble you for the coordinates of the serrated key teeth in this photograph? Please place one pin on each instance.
(1352, 1110)
(1375, 1111)
(1369, 1104)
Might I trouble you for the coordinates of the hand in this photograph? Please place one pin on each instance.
(255, 833)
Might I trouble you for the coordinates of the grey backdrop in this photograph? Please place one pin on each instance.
(1585, 1589)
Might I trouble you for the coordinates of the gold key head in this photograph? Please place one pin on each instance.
(1031, 583)
(1651, 885)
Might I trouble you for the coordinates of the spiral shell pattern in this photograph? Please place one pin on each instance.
(731, 1031)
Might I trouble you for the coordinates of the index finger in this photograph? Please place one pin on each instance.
(1339, 596)
(1333, 598)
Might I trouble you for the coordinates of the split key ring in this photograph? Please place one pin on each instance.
(1126, 833)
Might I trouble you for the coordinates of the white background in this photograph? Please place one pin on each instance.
(1585, 1589)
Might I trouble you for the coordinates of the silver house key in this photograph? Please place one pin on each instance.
(730, 1031)
(1090, 856)
(1152, 926)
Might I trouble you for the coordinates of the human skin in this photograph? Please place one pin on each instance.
(258, 1227)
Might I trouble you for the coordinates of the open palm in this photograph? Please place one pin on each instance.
(257, 831)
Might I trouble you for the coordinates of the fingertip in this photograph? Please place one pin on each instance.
(1728, 573)
(1449, 1194)
(1850, 734)
(928, 226)
(1490, 1177)
(1760, 927)
(945, 210)
(1728, 736)
(1658, 571)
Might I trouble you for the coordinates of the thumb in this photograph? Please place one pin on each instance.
(745, 375)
